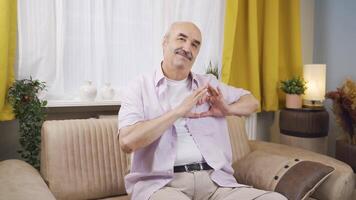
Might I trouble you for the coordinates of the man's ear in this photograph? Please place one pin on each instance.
(165, 41)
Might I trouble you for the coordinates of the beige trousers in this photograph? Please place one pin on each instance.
(198, 186)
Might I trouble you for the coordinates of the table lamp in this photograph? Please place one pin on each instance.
(314, 75)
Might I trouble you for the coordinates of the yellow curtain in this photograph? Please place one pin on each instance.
(262, 45)
(8, 32)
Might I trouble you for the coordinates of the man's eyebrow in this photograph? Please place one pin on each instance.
(197, 42)
(183, 35)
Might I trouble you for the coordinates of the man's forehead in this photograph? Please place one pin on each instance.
(187, 29)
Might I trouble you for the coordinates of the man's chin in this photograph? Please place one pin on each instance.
(184, 62)
(181, 65)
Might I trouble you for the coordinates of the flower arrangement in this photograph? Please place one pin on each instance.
(344, 108)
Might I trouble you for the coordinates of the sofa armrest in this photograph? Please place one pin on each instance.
(19, 180)
(339, 186)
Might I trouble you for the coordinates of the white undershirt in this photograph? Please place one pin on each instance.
(187, 150)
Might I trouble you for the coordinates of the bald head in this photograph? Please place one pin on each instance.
(183, 25)
(181, 45)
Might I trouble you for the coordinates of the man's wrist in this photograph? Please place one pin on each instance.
(234, 110)
(230, 110)
(177, 112)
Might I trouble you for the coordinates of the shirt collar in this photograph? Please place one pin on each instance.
(195, 81)
(159, 78)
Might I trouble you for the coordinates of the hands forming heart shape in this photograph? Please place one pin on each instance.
(218, 105)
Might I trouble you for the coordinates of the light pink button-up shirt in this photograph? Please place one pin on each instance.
(152, 166)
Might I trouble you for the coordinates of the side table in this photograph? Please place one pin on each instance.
(305, 128)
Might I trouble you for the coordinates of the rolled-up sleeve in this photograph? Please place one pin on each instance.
(232, 94)
(131, 110)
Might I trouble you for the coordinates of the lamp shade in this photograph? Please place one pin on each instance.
(314, 75)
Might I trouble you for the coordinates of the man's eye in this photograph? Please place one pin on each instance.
(182, 39)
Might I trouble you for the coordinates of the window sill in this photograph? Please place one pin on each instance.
(77, 103)
(75, 109)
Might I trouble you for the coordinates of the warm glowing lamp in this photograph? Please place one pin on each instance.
(314, 75)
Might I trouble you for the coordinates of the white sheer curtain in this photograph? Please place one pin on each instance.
(65, 42)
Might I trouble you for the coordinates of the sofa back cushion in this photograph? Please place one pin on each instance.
(81, 159)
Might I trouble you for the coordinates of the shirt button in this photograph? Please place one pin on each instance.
(186, 126)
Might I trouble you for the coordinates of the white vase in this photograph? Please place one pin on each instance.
(107, 92)
(87, 91)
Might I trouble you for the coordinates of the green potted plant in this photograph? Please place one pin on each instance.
(30, 111)
(294, 89)
(214, 70)
(344, 109)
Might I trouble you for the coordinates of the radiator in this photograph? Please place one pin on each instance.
(251, 126)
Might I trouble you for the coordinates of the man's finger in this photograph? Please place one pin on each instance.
(219, 91)
(202, 100)
(202, 88)
(198, 115)
(199, 90)
(206, 114)
(200, 95)
(192, 115)
(211, 100)
(212, 91)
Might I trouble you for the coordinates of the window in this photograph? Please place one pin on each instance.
(66, 42)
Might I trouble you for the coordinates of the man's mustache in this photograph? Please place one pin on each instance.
(184, 53)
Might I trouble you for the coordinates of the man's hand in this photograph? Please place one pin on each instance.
(189, 102)
(218, 106)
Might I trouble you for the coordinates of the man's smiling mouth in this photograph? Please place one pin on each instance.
(184, 54)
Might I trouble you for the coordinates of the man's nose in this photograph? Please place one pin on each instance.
(187, 47)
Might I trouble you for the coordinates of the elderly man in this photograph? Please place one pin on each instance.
(173, 121)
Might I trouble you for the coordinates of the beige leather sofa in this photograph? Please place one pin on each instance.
(81, 159)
